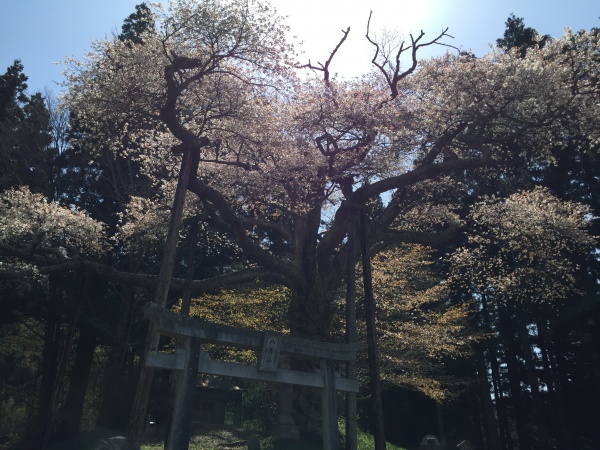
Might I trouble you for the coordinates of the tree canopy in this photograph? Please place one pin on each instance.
(275, 150)
(443, 154)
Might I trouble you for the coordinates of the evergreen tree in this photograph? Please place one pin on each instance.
(136, 24)
(518, 35)
(12, 88)
(25, 154)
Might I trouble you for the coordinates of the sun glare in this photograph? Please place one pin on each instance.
(319, 25)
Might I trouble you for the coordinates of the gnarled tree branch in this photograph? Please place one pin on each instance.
(397, 74)
(325, 68)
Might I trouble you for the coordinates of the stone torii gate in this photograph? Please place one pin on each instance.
(188, 360)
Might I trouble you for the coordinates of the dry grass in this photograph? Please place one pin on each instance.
(227, 437)
(214, 438)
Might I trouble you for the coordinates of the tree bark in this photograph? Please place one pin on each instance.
(441, 426)
(63, 362)
(503, 422)
(491, 425)
(488, 319)
(539, 416)
(555, 394)
(351, 425)
(520, 410)
(114, 411)
(80, 374)
(372, 349)
(49, 365)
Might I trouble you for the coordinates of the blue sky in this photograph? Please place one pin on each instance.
(42, 32)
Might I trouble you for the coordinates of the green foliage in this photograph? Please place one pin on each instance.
(258, 406)
(12, 88)
(25, 156)
(13, 426)
(417, 326)
(366, 441)
(519, 36)
(136, 24)
(233, 439)
(20, 349)
(257, 306)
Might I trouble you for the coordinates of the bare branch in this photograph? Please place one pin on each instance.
(376, 45)
(397, 75)
(325, 68)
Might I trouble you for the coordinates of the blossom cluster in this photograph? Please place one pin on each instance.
(521, 248)
(31, 223)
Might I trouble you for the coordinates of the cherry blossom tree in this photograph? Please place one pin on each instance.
(294, 155)
(520, 258)
(418, 326)
(281, 161)
(45, 234)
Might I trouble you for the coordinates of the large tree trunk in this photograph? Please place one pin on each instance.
(49, 367)
(310, 307)
(503, 427)
(550, 360)
(474, 424)
(80, 375)
(503, 422)
(539, 416)
(489, 418)
(519, 407)
(309, 316)
(63, 363)
(49, 360)
(114, 410)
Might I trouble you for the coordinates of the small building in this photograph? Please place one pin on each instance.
(430, 441)
(211, 400)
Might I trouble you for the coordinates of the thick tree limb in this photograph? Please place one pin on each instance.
(429, 238)
(335, 235)
(441, 143)
(276, 227)
(425, 172)
(140, 280)
(397, 75)
(238, 232)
